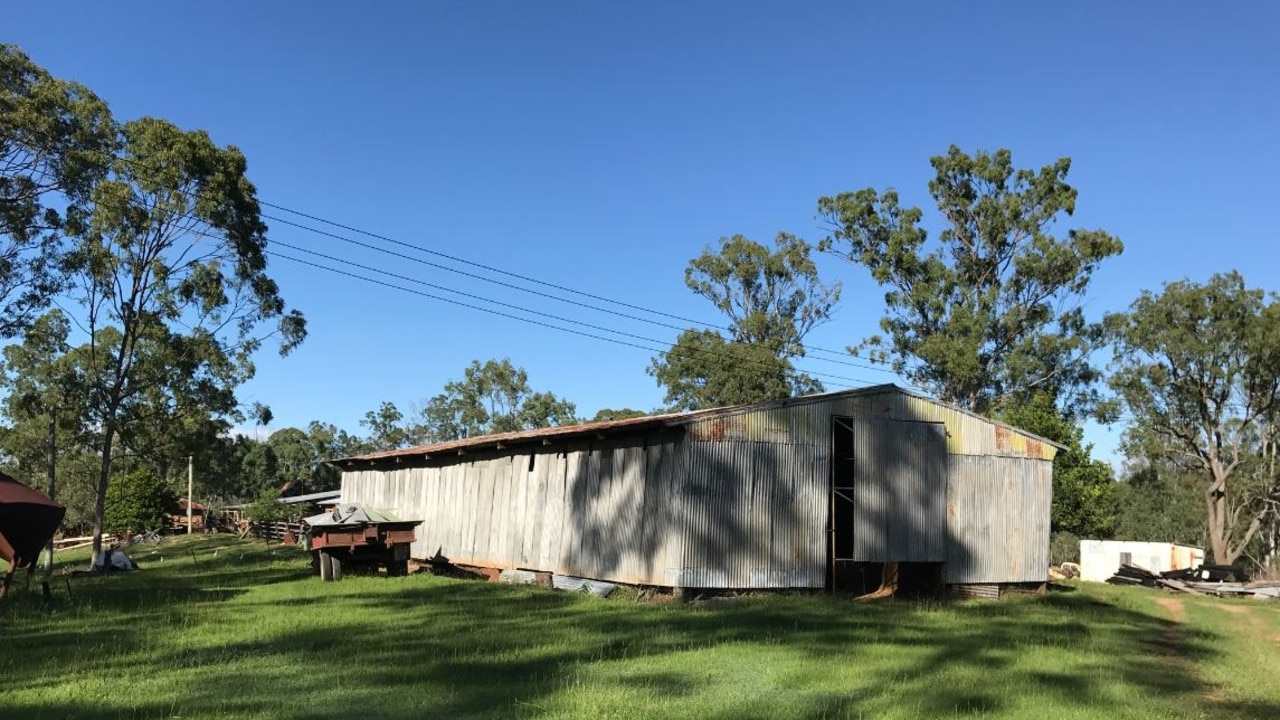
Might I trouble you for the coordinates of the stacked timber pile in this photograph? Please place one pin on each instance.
(1205, 580)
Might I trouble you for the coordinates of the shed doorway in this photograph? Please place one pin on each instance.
(842, 573)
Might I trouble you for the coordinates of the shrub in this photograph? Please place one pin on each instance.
(138, 501)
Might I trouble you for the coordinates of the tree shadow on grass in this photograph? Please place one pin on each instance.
(441, 648)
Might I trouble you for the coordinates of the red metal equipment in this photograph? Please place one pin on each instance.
(352, 534)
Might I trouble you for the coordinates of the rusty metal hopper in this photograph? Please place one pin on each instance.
(28, 520)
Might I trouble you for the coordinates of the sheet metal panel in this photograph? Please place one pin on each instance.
(756, 515)
(900, 487)
(998, 519)
(808, 423)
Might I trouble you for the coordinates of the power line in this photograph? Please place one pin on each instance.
(700, 351)
(481, 298)
(512, 286)
(525, 278)
(857, 383)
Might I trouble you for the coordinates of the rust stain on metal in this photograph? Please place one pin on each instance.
(1002, 439)
(710, 430)
(1035, 449)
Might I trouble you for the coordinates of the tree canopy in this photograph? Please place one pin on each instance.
(989, 312)
(1198, 366)
(170, 267)
(55, 141)
(493, 397)
(772, 299)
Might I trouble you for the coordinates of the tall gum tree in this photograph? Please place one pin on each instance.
(493, 397)
(1198, 367)
(772, 298)
(172, 255)
(55, 139)
(990, 312)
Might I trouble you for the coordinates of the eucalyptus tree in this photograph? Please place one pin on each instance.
(1198, 367)
(492, 397)
(171, 257)
(990, 311)
(772, 298)
(55, 140)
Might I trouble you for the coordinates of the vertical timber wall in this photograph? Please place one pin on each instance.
(739, 499)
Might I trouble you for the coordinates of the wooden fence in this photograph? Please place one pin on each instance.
(277, 531)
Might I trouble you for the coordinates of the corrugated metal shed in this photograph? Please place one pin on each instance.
(734, 497)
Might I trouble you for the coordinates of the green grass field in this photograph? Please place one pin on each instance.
(248, 633)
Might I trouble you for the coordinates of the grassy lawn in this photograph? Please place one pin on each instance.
(248, 633)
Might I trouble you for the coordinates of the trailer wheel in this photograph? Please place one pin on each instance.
(326, 566)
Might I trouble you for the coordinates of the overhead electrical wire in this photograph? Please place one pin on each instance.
(518, 276)
(500, 271)
(480, 298)
(512, 286)
(857, 382)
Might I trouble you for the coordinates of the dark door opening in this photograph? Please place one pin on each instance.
(840, 568)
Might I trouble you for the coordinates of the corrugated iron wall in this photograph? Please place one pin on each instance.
(933, 483)
(740, 501)
(998, 519)
(755, 515)
(900, 489)
(809, 423)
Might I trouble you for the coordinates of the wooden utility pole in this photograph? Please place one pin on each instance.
(190, 490)
(53, 465)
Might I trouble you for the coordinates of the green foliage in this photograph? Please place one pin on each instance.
(990, 313)
(139, 501)
(1064, 547)
(328, 442)
(55, 137)
(1161, 505)
(609, 414)
(171, 265)
(773, 299)
(492, 398)
(44, 382)
(1084, 489)
(267, 508)
(388, 429)
(1198, 367)
(704, 370)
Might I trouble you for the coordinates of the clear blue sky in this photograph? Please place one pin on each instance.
(602, 145)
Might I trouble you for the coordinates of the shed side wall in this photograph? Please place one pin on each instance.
(998, 519)
(610, 511)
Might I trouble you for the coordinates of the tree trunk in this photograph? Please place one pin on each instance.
(1217, 548)
(100, 502)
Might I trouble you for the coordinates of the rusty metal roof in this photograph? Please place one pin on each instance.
(667, 420)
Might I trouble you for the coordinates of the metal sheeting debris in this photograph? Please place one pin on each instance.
(575, 584)
(350, 515)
